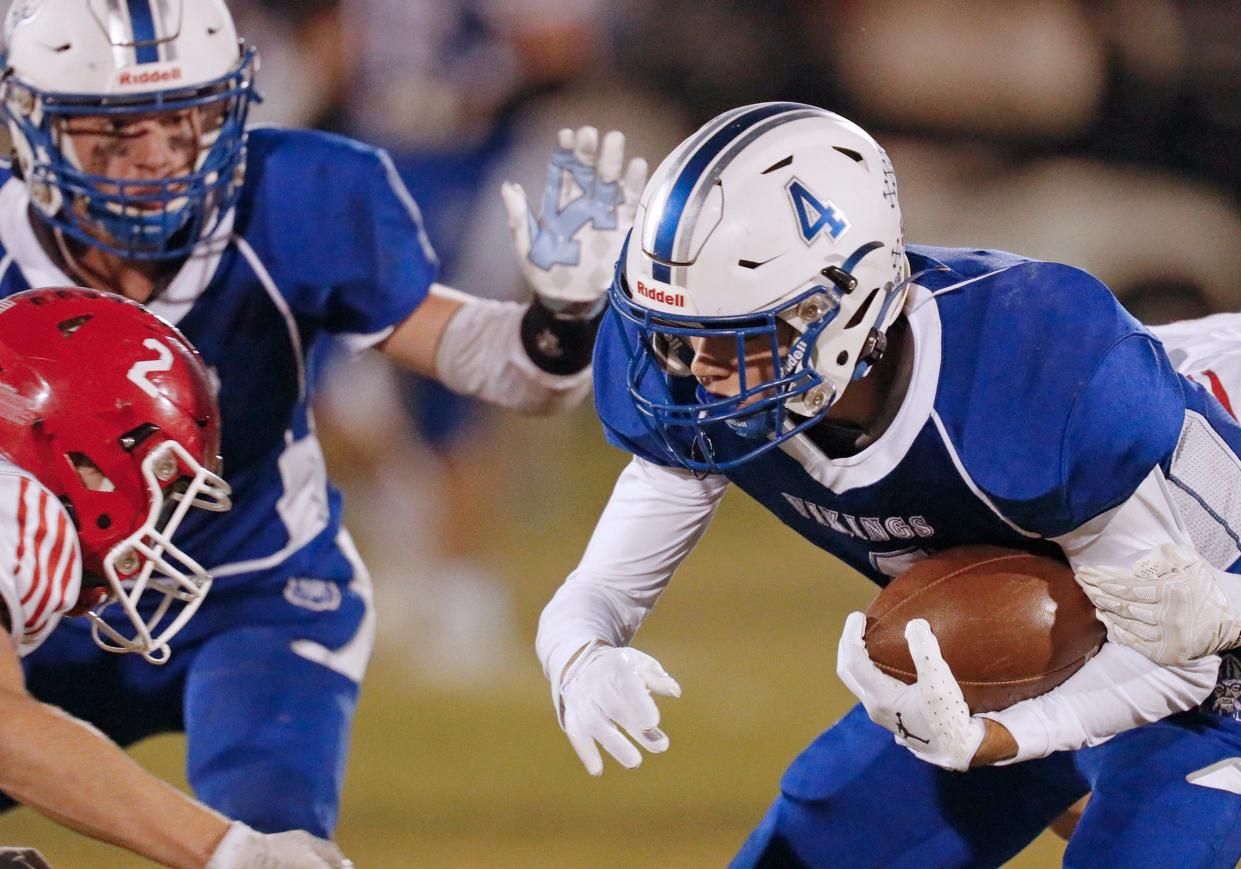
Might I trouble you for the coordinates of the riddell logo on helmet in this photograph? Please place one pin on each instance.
(676, 300)
(128, 78)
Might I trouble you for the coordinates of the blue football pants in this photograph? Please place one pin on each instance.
(855, 798)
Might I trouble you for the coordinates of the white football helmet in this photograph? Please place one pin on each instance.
(126, 60)
(776, 212)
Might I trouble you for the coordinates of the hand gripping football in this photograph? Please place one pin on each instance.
(1011, 625)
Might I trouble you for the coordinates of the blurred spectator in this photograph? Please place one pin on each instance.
(306, 54)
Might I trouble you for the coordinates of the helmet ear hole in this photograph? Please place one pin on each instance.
(89, 473)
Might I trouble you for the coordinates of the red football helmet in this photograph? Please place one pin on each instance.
(113, 410)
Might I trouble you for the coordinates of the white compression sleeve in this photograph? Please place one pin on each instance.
(654, 518)
(480, 354)
(1118, 689)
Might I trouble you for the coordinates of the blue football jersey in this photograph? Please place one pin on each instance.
(324, 243)
(1036, 403)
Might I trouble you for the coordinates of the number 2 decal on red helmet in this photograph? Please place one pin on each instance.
(139, 373)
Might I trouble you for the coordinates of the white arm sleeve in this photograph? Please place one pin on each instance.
(480, 355)
(1119, 688)
(654, 518)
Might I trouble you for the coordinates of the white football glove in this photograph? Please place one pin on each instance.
(608, 686)
(568, 252)
(245, 848)
(929, 717)
(1172, 606)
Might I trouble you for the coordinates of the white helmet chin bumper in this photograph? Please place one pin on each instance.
(149, 563)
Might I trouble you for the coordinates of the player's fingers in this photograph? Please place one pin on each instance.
(635, 181)
(1120, 634)
(564, 139)
(1115, 584)
(582, 743)
(654, 675)
(1131, 633)
(611, 156)
(586, 145)
(630, 705)
(640, 719)
(1104, 601)
(924, 649)
(1125, 609)
(1140, 612)
(1095, 576)
(517, 208)
(853, 664)
(653, 740)
(326, 850)
(615, 744)
(1130, 591)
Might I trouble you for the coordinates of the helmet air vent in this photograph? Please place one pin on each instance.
(849, 152)
(861, 312)
(753, 264)
(787, 161)
(70, 326)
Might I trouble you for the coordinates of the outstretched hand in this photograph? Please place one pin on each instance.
(568, 250)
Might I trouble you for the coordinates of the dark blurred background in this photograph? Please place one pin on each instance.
(1102, 133)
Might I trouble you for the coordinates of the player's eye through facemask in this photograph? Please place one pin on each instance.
(754, 377)
(142, 176)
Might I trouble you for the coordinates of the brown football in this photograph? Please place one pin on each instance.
(1010, 624)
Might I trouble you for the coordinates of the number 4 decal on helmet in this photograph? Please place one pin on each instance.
(138, 374)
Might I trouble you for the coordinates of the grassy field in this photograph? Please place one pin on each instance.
(451, 777)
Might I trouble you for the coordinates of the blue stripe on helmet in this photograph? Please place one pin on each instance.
(856, 257)
(670, 219)
(142, 20)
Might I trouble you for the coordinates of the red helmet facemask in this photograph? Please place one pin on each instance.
(115, 413)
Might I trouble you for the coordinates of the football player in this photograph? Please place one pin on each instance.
(770, 330)
(109, 438)
(135, 173)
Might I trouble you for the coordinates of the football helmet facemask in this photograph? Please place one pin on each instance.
(128, 118)
(112, 410)
(775, 228)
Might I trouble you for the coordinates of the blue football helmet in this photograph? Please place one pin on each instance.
(775, 228)
(113, 63)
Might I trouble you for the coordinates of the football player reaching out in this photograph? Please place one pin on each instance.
(770, 330)
(135, 173)
(109, 438)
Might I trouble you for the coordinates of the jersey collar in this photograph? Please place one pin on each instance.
(881, 457)
(39, 270)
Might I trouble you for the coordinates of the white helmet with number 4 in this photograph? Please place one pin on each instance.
(777, 213)
(116, 62)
